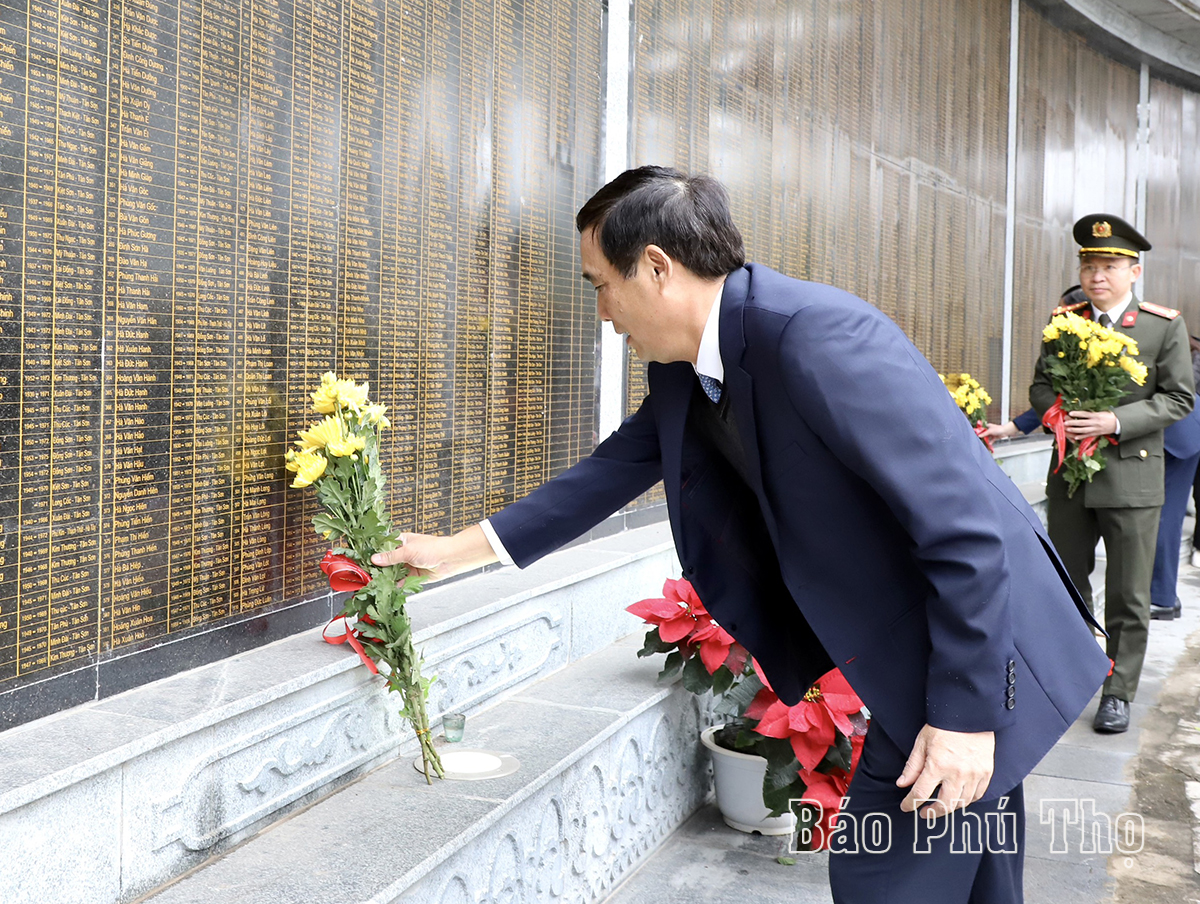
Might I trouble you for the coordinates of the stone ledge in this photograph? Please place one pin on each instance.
(610, 765)
(169, 774)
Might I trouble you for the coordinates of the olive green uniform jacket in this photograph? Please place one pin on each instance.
(1133, 473)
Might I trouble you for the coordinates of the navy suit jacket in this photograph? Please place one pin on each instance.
(1182, 438)
(903, 554)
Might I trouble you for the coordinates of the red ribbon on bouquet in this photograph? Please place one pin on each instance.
(350, 635)
(980, 430)
(1056, 420)
(1087, 445)
(346, 574)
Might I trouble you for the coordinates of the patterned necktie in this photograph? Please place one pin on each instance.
(712, 388)
(1105, 320)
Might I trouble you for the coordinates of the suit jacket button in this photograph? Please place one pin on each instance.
(691, 569)
(1011, 692)
(1010, 704)
(1143, 453)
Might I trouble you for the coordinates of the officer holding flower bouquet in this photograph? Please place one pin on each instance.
(1122, 502)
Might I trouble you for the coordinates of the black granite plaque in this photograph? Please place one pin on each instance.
(204, 205)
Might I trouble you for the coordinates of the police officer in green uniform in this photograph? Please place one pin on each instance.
(1122, 502)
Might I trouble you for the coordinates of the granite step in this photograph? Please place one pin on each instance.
(119, 796)
(610, 765)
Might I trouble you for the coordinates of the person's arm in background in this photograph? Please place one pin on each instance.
(1025, 422)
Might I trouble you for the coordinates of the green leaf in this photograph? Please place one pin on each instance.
(653, 644)
(736, 700)
(722, 680)
(695, 677)
(786, 861)
(781, 773)
(779, 800)
(672, 666)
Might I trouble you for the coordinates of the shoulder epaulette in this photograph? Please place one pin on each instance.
(1063, 308)
(1169, 313)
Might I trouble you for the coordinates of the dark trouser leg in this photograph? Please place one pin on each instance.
(1180, 473)
(971, 857)
(1196, 499)
(1074, 531)
(1129, 538)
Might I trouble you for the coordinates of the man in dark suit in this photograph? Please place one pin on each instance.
(831, 505)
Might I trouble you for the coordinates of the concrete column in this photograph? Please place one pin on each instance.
(616, 161)
(1143, 165)
(1010, 208)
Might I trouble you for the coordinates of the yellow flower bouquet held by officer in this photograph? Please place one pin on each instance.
(1090, 367)
(339, 457)
(972, 400)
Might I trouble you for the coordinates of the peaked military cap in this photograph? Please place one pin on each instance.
(1102, 233)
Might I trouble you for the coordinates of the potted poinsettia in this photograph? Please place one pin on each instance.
(803, 752)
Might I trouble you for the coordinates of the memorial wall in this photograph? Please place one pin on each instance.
(864, 143)
(204, 205)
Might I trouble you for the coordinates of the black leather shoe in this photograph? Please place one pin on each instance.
(1113, 715)
(1166, 613)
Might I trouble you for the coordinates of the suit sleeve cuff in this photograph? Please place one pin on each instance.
(494, 539)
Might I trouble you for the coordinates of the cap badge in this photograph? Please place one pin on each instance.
(1102, 230)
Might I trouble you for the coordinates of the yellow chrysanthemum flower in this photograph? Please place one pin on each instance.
(375, 416)
(308, 466)
(325, 399)
(320, 435)
(1135, 369)
(352, 395)
(339, 448)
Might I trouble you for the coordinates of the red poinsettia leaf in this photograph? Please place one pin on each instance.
(676, 629)
(838, 693)
(809, 748)
(680, 591)
(655, 611)
(774, 722)
(822, 788)
(704, 631)
(839, 719)
(736, 662)
(713, 653)
(808, 716)
(762, 701)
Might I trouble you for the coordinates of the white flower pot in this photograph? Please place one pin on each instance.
(739, 780)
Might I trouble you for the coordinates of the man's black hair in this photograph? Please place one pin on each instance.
(687, 216)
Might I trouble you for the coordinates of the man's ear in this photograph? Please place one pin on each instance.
(1136, 269)
(658, 261)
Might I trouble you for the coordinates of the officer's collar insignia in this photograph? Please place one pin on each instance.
(1102, 230)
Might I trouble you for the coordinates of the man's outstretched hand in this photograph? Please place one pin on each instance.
(961, 762)
(440, 557)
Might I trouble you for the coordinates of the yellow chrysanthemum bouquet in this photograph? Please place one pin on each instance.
(1090, 367)
(972, 399)
(339, 457)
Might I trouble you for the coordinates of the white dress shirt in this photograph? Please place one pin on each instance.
(708, 362)
(1114, 314)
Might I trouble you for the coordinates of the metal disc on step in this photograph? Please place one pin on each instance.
(473, 765)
